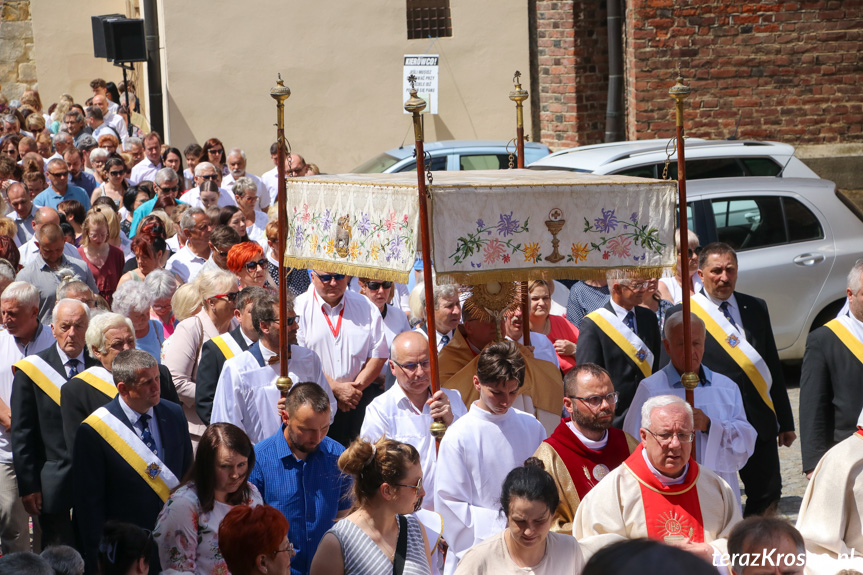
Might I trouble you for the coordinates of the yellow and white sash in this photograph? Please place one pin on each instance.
(227, 345)
(625, 338)
(99, 378)
(43, 375)
(849, 333)
(737, 348)
(134, 451)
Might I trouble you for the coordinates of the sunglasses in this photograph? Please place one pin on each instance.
(375, 286)
(167, 189)
(214, 151)
(290, 320)
(261, 263)
(117, 174)
(232, 297)
(694, 251)
(327, 278)
(58, 174)
(209, 177)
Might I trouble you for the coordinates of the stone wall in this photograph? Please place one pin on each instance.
(17, 68)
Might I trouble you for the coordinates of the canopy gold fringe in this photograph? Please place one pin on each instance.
(348, 269)
(526, 274)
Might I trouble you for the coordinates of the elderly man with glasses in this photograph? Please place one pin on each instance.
(660, 491)
(622, 337)
(584, 448)
(724, 439)
(205, 171)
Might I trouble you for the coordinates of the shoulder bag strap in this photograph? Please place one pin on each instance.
(401, 547)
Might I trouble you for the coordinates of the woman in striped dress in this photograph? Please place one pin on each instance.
(388, 486)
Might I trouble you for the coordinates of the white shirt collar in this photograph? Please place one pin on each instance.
(405, 401)
(732, 301)
(65, 358)
(589, 443)
(266, 353)
(245, 338)
(132, 415)
(664, 479)
(619, 310)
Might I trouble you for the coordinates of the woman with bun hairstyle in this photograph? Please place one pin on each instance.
(528, 499)
(379, 536)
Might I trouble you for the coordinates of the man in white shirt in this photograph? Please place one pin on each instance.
(207, 171)
(30, 249)
(237, 165)
(114, 120)
(346, 330)
(246, 394)
(147, 168)
(195, 226)
(447, 313)
(22, 213)
(406, 411)
(96, 122)
(724, 439)
(22, 335)
(295, 167)
(480, 449)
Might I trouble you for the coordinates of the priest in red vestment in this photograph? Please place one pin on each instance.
(584, 448)
(660, 491)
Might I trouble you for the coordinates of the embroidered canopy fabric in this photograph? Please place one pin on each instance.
(486, 225)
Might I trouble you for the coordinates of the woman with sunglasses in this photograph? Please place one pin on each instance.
(187, 529)
(214, 152)
(671, 288)
(395, 320)
(114, 183)
(246, 260)
(388, 487)
(218, 293)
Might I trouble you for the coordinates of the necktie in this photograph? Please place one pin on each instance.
(146, 436)
(444, 339)
(727, 313)
(72, 364)
(629, 320)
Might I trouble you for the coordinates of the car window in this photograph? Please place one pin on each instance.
(803, 225)
(376, 165)
(486, 162)
(748, 223)
(761, 167)
(706, 168)
(438, 164)
(648, 171)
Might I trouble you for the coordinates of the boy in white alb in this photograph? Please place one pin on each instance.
(480, 449)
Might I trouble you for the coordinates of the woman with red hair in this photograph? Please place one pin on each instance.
(246, 261)
(254, 540)
(149, 248)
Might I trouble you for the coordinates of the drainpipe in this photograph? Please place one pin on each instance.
(154, 67)
(614, 108)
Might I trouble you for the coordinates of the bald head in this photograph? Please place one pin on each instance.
(44, 216)
(407, 342)
(19, 199)
(297, 166)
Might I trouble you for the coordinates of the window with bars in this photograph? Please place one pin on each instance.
(428, 19)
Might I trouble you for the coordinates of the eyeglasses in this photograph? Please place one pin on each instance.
(214, 151)
(418, 486)
(635, 286)
(595, 401)
(58, 174)
(412, 366)
(375, 286)
(290, 320)
(261, 263)
(327, 278)
(209, 177)
(665, 438)
(289, 550)
(694, 251)
(11, 152)
(222, 254)
(169, 189)
(232, 296)
(117, 174)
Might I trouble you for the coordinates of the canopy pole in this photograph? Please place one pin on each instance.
(519, 95)
(414, 106)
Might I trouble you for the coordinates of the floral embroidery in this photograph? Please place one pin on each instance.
(531, 252)
(494, 250)
(608, 221)
(477, 241)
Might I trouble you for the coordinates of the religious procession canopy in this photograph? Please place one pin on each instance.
(496, 225)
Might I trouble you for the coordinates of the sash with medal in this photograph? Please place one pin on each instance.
(100, 379)
(227, 345)
(625, 338)
(672, 513)
(737, 348)
(846, 331)
(43, 375)
(133, 451)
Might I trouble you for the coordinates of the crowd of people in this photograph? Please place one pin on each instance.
(141, 430)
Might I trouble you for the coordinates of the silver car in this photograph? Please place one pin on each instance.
(453, 155)
(796, 240)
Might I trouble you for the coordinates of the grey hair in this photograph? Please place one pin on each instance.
(70, 284)
(213, 282)
(24, 293)
(617, 276)
(161, 283)
(237, 151)
(165, 175)
(692, 236)
(75, 113)
(64, 560)
(95, 112)
(99, 154)
(661, 401)
(131, 141)
(129, 362)
(62, 136)
(440, 291)
(6, 270)
(187, 220)
(25, 562)
(56, 162)
(87, 142)
(10, 119)
(55, 312)
(131, 297)
(854, 279)
(199, 169)
(676, 319)
(99, 324)
(243, 185)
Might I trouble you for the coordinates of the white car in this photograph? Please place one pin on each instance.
(704, 159)
(452, 155)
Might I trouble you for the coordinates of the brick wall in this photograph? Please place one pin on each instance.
(17, 69)
(788, 70)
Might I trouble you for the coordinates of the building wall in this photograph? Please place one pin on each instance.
(17, 71)
(344, 67)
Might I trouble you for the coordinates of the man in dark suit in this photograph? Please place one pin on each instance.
(39, 449)
(623, 338)
(215, 352)
(767, 406)
(128, 455)
(831, 396)
(107, 336)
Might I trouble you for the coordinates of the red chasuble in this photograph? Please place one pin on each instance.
(860, 431)
(671, 512)
(587, 466)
